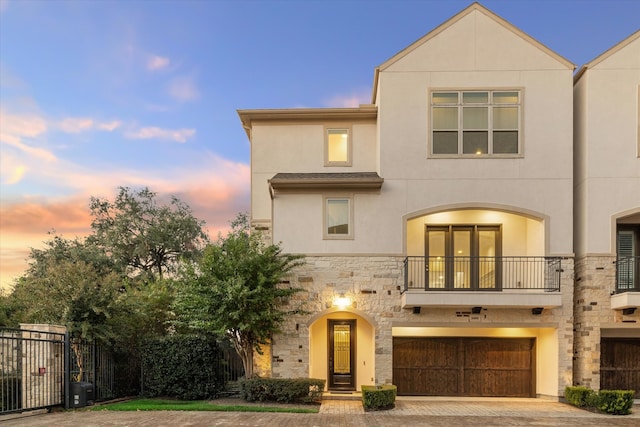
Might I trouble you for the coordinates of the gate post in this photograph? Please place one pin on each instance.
(67, 369)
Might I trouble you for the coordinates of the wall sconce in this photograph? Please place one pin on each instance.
(536, 311)
(628, 311)
(416, 310)
(342, 301)
(476, 310)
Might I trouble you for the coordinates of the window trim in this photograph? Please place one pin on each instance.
(338, 126)
(325, 231)
(490, 130)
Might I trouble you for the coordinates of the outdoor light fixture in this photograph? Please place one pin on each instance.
(416, 310)
(341, 301)
(628, 311)
(476, 310)
(537, 310)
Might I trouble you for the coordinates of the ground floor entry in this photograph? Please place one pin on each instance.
(464, 366)
(620, 364)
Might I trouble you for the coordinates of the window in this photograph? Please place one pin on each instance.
(337, 147)
(338, 218)
(475, 123)
(628, 258)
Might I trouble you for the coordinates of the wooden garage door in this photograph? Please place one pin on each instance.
(620, 364)
(464, 366)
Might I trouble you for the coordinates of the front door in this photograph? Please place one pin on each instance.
(341, 357)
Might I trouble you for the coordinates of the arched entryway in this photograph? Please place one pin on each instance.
(342, 349)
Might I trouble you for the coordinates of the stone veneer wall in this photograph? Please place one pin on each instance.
(595, 283)
(375, 284)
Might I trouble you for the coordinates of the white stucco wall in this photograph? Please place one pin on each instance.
(607, 148)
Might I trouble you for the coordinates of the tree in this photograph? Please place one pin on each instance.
(143, 236)
(236, 290)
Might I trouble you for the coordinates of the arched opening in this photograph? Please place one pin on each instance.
(342, 350)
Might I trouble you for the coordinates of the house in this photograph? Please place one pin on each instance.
(607, 219)
(437, 221)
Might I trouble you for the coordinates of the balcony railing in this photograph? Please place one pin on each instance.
(482, 273)
(628, 274)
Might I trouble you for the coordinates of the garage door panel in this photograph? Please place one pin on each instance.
(620, 364)
(464, 366)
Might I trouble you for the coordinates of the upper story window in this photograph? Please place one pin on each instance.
(338, 217)
(337, 147)
(476, 123)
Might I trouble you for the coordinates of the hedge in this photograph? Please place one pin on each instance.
(614, 402)
(186, 367)
(284, 390)
(380, 397)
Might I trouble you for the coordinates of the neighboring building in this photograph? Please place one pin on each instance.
(607, 219)
(437, 222)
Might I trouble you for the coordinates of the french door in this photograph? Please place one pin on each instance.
(341, 357)
(463, 256)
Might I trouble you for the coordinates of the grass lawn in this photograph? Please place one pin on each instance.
(180, 405)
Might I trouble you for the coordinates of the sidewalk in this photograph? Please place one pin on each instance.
(409, 412)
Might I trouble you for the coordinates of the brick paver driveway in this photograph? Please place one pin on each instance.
(408, 413)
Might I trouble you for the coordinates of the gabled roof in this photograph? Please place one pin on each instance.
(606, 54)
(444, 26)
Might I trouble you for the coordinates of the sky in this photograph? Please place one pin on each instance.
(98, 94)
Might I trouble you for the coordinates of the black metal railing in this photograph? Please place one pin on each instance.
(628, 274)
(482, 273)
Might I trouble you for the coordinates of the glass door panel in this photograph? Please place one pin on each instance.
(487, 258)
(436, 258)
(462, 257)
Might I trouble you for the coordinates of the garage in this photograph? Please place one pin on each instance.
(464, 366)
(620, 364)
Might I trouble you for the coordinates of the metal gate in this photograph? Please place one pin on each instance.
(37, 368)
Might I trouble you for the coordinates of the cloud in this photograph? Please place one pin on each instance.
(183, 89)
(177, 135)
(19, 126)
(155, 63)
(352, 100)
(76, 125)
(215, 188)
(83, 124)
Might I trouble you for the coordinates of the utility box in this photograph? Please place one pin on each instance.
(81, 394)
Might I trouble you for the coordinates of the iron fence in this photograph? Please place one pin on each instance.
(452, 273)
(628, 274)
(32, 367)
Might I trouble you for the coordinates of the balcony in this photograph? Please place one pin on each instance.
(522, 281)
(627, 294)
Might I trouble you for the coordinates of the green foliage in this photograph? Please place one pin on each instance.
(579, 396)
(614, 402)
(236, 290)
(284, 390)
(185, 367)
(144, 237)
(381, 397)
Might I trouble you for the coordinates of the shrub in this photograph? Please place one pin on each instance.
(284, 390)
(579, 396)
(615, 402)
(381, 397)
(185, 367)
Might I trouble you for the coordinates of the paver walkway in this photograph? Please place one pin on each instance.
(409, 412)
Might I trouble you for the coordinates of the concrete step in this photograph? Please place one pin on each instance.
(346, 395)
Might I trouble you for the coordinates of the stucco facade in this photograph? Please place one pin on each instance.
(607, 203)
(445, 224)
